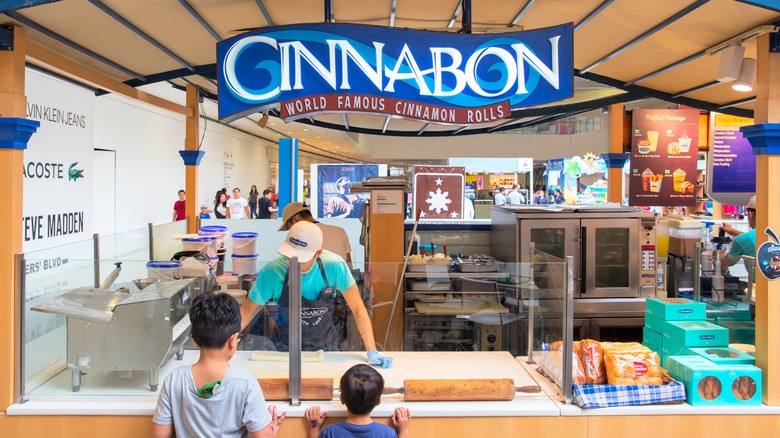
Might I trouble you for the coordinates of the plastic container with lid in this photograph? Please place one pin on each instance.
(244, 243)
(167, 269)
(245, 264)
(204, 244)
(218, 231)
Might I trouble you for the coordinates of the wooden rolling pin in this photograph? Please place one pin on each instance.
(311, 389)
(460, 389)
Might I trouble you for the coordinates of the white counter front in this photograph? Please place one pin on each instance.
(127, 393)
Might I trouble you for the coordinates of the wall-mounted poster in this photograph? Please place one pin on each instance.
(731, 165)
(664, 150)
(332, 194)
(439, 191)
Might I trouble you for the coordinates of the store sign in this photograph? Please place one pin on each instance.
(57, 166)
(664, 151)
(731, 165)
(443, 78)
(439, 192)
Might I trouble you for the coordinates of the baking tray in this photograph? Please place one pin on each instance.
(478, 267)
(428, 268)
(426, 286)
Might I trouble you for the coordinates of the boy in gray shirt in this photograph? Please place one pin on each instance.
(211, 398)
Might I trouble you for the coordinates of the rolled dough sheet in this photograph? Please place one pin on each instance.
(282, 356)
(306, 374)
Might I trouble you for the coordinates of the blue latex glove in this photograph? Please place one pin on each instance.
(376, 359)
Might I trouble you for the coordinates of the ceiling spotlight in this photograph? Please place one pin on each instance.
(263, 120)
(747, 76)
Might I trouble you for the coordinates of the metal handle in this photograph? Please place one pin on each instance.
(583, 259)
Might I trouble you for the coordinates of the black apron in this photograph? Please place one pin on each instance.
(317, 329)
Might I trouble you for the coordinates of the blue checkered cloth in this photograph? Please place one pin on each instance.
(606, 396)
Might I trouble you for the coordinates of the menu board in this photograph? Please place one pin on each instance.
(664, 150)
(733, 162)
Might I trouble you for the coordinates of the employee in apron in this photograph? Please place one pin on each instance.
(323, 275)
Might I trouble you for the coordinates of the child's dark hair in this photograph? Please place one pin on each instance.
(361, 387)
(215, 317)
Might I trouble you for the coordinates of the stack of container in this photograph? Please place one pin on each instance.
(165, 269)
(245, 253)
(696, 352)
(219, 233)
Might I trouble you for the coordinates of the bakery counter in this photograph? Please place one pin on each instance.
(125, 393)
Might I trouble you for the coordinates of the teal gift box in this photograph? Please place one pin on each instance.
(696, 334)
(670, 348)
(710, 384)
(676, 309)
(655, 324)
(677, 364)
(652, 339)
(740, 332)
(723, 355)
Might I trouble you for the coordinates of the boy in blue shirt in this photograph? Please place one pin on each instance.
(211, 398)
(361, 388)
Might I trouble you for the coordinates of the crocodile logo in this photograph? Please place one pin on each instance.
(73, 173)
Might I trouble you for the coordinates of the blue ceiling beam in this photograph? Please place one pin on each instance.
(261, 6)
(593, 14)
(122, 20)
(687, 10)
(73, 45)
(208, 71)
(200, 19)
(696, 88)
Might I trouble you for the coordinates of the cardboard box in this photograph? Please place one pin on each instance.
(652, 339)
(655, 324)
(676, 309)
(740, 332)
(720, 385)
(696, 334)
(723, 355)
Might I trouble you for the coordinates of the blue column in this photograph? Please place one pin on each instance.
(287, 186)
(16, 132)
(615, 160)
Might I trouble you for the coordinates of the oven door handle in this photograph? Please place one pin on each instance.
(583, 259)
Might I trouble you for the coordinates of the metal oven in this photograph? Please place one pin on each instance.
(614, 254)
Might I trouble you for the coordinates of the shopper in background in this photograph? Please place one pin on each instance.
(265, 205)
(744, 243)
(220, 205)
(515, 197)
(539, 197)
(500, 198)
(237, 207)
(179, 212)
(253, 194)
(205, 213)
(558, 196)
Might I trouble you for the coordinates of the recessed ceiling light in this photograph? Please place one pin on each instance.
(318, 136)
(306, 129)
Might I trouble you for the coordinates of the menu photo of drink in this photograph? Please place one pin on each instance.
(664, 151)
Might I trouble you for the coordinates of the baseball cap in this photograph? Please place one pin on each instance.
(303, 241)
(752, 203)
(291, 210)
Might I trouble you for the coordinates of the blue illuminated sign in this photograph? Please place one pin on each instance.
(444, 78)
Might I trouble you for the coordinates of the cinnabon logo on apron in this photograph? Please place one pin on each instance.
(312, 315)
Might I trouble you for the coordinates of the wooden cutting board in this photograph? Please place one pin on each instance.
(459, 389)
(311, 389)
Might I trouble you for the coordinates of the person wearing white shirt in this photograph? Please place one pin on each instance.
(237, 207)
(500, 198)
(515, 197)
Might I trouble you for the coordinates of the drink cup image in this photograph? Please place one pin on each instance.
(652, 136)
(679, 178)
(685, 144)
(647, 177)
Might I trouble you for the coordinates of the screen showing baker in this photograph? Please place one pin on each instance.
(324, 275)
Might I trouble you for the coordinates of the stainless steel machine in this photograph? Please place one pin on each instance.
(614, 251)
(119, 331)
